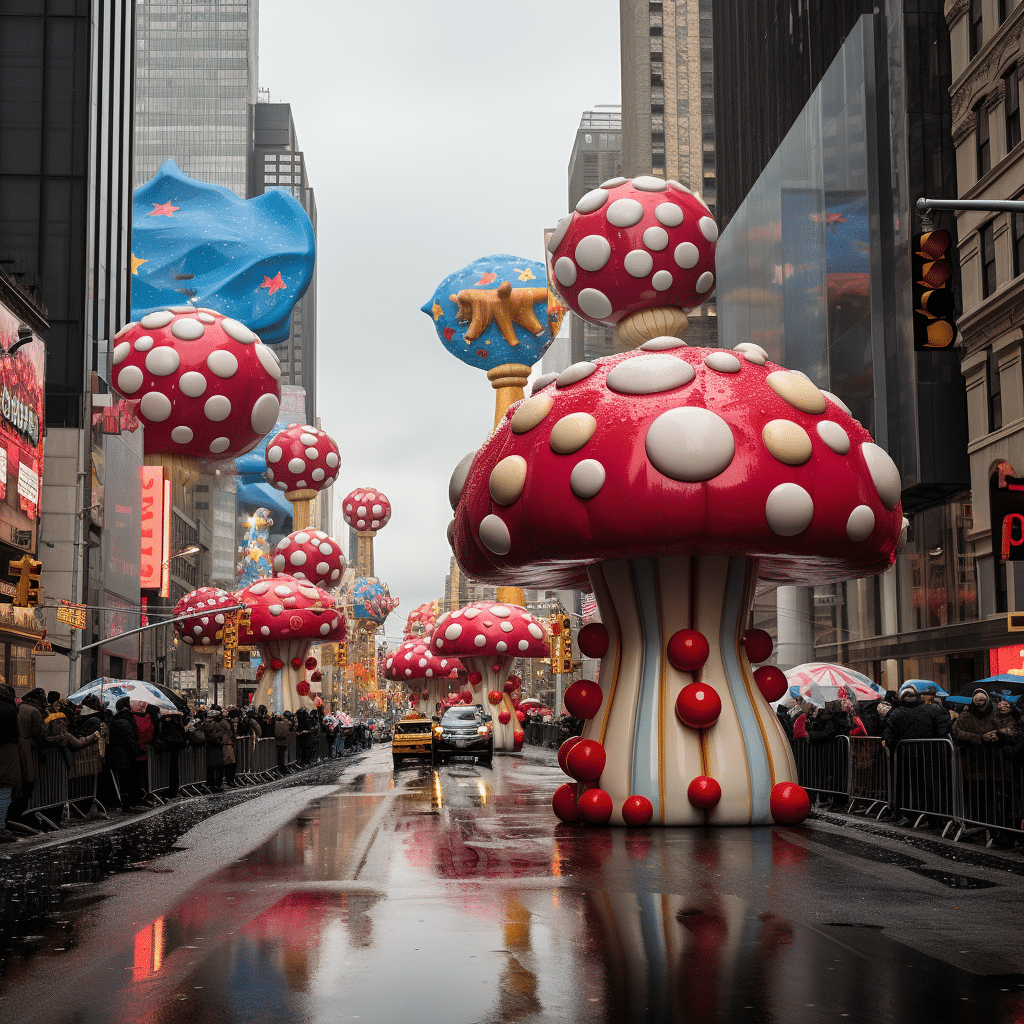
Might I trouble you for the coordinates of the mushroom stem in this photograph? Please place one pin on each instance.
(282, 681)
(508, 380)
(302, 507)
(504, 737)
(650, 753)
(182, 470)
(643, 325)
(364, 552)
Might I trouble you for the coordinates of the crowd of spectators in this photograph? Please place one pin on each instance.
(122, 739)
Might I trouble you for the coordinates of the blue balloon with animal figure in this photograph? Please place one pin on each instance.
(197, 244)
(372, 602)
(255, 549)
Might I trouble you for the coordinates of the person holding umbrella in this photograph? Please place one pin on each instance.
(125, 754)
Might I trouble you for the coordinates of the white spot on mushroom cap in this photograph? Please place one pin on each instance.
(624, 213)
(656, 238)
(592, 252)
(723, 362)
(663, 344)
(638, 263)
(524, 645)
(494, 535)
(222, 363)
(686, 255)
(275, 609)
(124, 330)
(669, 214)
(155, 406)
(648, 183)
(162, 361)
(884, 474)
(838, 401)
(121, 352)
(587, 478)
(458, 479)
(188, 329)
(565, 271)
(269, 361)
(264, 413)
(182, 435)
(752, 353)
(192, 384)
(834, 436)
(154, 321)
(542, 382)
(507, 627)
(574, 374)
(690, 444)
(279, 563)
(332, 460)
(594, 303)
(571, 433)
(237, 331)
(219, 444)
(649, 374)
(308, 439)
(662, 281)
(217, 408)
(143, 344)
(129, 380)
(592, 201)
(325, 628)
(560, 229)
(207, 319)
(453, 632)
(318, 474)
(312, 454)
(789, 510)
(797, 391)
(297, 558)
(507, 480)
(860, 524)
(708, 228)
(787, 441)
(298, 466)
(705, 282)
(274, 454)
(259, 588)
(902, 543)
(480, 640)
(612, 182)
(501, 647)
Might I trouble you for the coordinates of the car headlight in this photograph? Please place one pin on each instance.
(438, 731)
(483, 730)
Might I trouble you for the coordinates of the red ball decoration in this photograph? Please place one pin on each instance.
(474, 678)
(698, 706)
(563, 751)
(595, 806)
(467, 697)
(496, 667)
(494, 697)
(586, 761)
(316, 677)
(704, 792)
(593, 640)
(504, 716)
(688, 650)
(521, 716)
(637, 811)
(789, 803)
(563, 803)
(772, 682)
(296, 663)
(512, 683)
(302, 689)
(758, 645)
(583, 699)
(311, 662)
(276, 664)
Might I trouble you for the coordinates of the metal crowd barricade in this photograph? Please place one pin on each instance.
(824, 768)
(991, 791)
(192, 769)
(51, 786)
(243, 759)
(158, 772)
(291, 757)
(927, 780)
(870, 775)
(264, 759)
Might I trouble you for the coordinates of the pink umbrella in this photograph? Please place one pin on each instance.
(857, 686)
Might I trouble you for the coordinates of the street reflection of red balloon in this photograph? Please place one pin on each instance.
(563, 803)
(786, 853)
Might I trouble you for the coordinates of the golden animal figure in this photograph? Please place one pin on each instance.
(504, 306)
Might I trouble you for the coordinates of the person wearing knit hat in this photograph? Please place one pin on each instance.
(123, 751)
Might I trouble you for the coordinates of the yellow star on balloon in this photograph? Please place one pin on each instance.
(437, 311)
(526, 275)
(136, 263)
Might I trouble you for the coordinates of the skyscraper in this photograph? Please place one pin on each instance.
(195, 87)
(668, 107)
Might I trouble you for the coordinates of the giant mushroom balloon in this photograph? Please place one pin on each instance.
(205, 628)
(667, 481)
(487, 637)
(208, 388)
(287, 616)
(366, 510)
(415, 664)
(310, 555)
(302, 461)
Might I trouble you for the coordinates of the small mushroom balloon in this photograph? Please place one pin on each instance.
(302, 461)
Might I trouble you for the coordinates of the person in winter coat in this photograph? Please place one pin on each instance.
(976, 726)
(282, 729)
(172, 734)
(870, 717)
(33, 737)
(10, 758)
(785, 720)
(125, 755)
(219, 739)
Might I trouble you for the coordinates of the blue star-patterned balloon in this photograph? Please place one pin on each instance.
(493, 312)
(371, 600)
(199, 244)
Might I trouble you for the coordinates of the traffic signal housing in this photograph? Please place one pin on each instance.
(934, 301)
(27, 569)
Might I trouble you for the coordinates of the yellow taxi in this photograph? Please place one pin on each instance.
(413, 738)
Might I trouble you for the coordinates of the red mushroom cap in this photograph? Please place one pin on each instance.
(631, 245)
(366, 509)
(302, 457)
(286, 608)
(310, 555)
(671, 450)
(206, 602)
(490, 627)
(413, 659)
(207, 386)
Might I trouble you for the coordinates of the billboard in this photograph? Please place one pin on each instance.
(151, 554)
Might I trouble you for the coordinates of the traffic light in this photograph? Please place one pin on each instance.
(27, 569)
(934, 302)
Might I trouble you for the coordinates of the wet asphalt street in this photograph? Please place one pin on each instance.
(359, 893)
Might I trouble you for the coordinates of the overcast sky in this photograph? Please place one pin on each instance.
(434, 133)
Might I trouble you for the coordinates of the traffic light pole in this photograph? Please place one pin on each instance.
(989, 205)
(157, 625)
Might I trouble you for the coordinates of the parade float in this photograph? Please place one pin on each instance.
(488, 637)
(302, 461)
(668, 480)
(421, 619)
(366, 510)
(428, 677)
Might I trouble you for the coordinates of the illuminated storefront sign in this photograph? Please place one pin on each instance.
(152, 528)
(1006, 501)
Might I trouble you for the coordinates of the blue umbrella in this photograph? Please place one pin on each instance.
(924, 685)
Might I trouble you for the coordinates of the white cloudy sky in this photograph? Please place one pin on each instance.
(434, 133)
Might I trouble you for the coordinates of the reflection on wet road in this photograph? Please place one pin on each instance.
(452, 896)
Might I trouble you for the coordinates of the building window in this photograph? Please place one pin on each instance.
(1017, 233)
(1001, 12)
(983, 144)
(988, 261)
(1012, 107)
(974, 29)
(995, 398)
